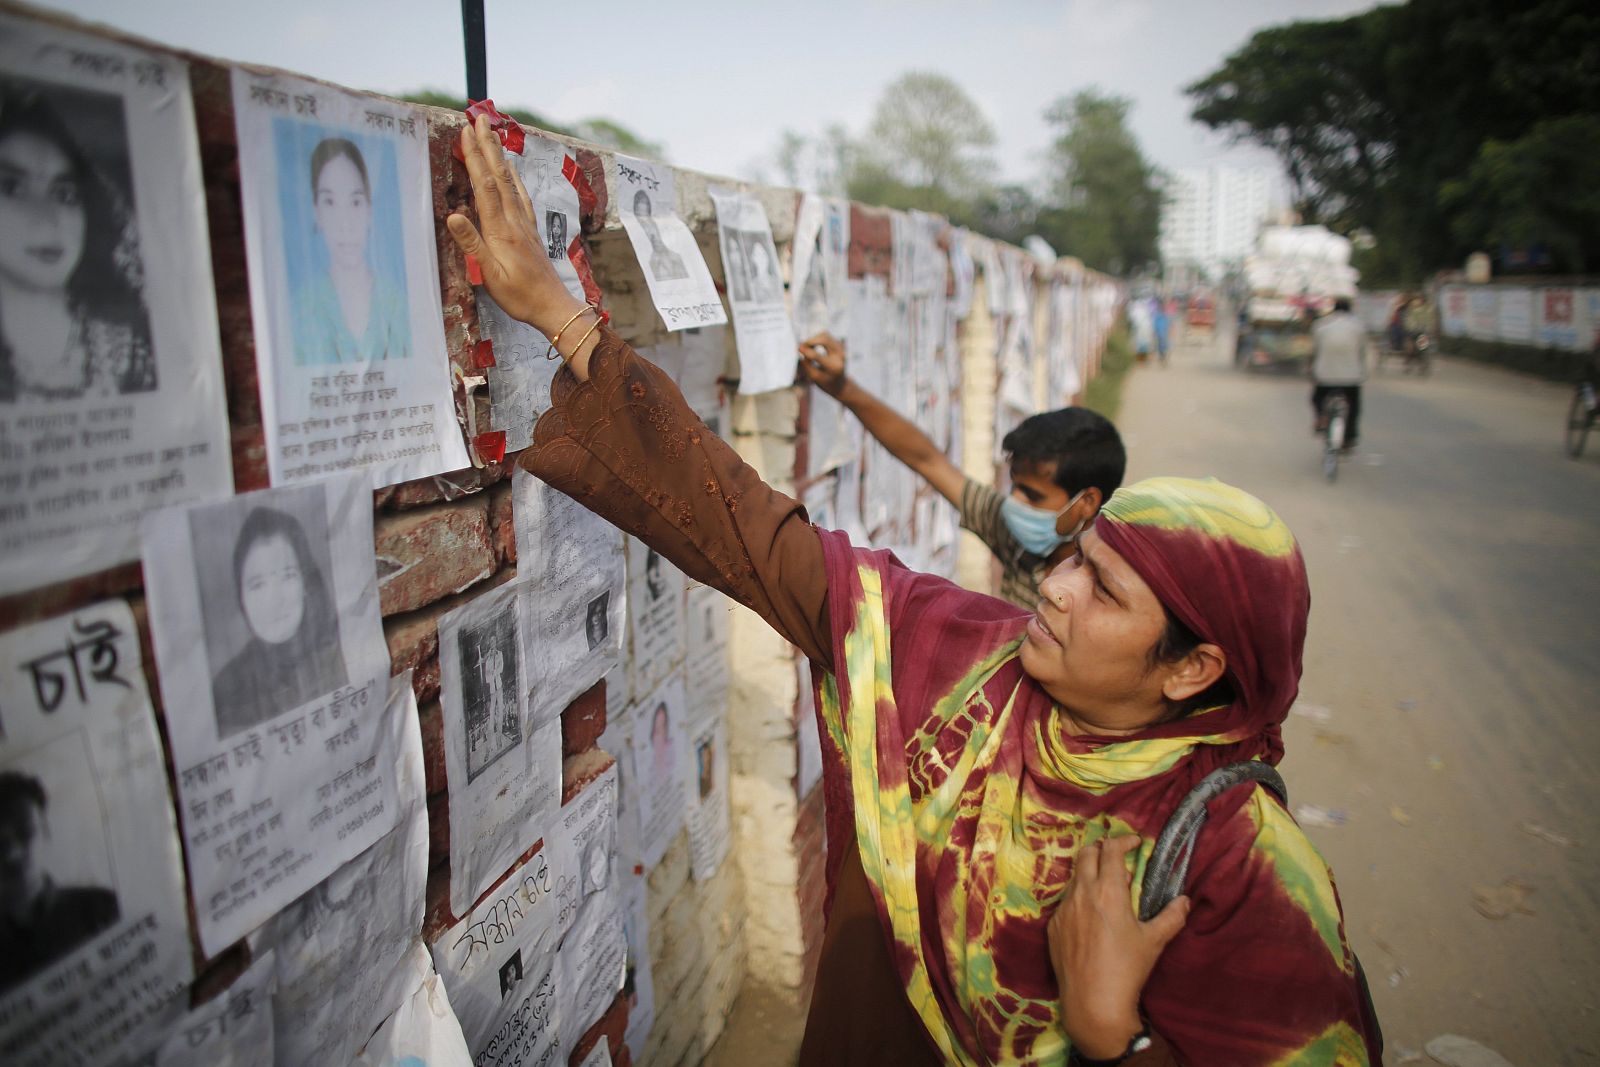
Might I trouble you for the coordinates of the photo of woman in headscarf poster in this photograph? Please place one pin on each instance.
(110, 373)
(344, 292)
(274, 674)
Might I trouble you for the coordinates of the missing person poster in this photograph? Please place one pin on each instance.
(503, 769)
(658, 733)
(571, 563)
(344, 282)
(232, 1030)
(761, 327)
(704, 763)
(499, 966)
(275, 673)
(655, 615)
(592, 957)
(342, 947)
(111, 396)
(707, 616)
(680, 283)
(94, 943)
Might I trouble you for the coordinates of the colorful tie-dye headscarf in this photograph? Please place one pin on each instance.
(948, 767)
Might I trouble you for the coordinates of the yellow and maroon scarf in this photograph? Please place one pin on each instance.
(946, 764)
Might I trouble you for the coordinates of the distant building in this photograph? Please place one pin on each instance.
(1212, 217)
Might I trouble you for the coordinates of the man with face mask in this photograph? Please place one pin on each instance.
(1064, 464)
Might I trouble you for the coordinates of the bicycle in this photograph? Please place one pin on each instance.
(1335, 416)
(1581, 416)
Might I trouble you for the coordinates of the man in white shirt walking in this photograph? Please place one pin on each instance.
(1339, 365)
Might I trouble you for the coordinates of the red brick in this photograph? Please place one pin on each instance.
(611, 1026)
(594, 168)
(584, 721)
(428, 554)
(436, 914)
(502, 531)
(578, 771)
(444, 488)
(432, 748)
(62, 597)
(438, 827)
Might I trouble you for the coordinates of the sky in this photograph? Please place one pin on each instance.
(717, 82)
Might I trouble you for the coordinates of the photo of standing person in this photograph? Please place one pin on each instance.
(347, 311)
(72, 318)
(40, 921)
(276, 602)
(764, 281)
(736, 269)
(665, 264)
(489, 689)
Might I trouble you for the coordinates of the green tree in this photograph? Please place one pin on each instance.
(1104, 199)
(924, 149)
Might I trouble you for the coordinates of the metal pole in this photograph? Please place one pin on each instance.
(477, 53)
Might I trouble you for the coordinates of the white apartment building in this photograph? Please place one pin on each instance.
(1213, 214)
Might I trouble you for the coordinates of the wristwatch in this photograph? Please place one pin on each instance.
(1140, 1041)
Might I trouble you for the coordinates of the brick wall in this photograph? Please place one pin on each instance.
(441, 541)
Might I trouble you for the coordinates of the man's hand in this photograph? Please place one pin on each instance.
(822, 358)
(515, 268)
(1102, 953)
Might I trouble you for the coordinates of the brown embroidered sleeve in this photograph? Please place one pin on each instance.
(626, 445)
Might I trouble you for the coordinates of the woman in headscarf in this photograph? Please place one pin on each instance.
(995, 779)
(292, 655)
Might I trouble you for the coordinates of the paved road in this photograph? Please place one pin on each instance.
(1452, 678)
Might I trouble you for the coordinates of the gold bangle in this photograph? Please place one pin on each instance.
(597, 324)
(556, 337)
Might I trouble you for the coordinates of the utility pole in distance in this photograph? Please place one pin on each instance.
(472, 33)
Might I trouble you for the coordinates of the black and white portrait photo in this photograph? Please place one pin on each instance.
(665, 264)
(654, 581)
(73, 321)
(595, 624)
(268, 604)
(56, 892)
(736, 268)
(510, 974)
(765, 283)
(555, 225)
(705, 758)
(489, 686)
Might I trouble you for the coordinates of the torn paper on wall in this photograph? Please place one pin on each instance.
(342, 947)
(807, 738)
(655, 615)
(423, 1031)
(344, 282)
(570, 563)
(599, 1056)
(111, 401)
(232, 1030)
(503, 769)
(762, 331)
(637, 985)
(101, 966)
(519, 380)
(658, 732)
(680, 283)
(274, 670)
(705, 784)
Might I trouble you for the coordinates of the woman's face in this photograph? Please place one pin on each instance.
(344, 212)
(272, 590)
(41, 213)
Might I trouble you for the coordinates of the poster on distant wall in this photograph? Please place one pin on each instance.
(679, 280)
(111, 396)
(762, 330)
(100, 964)
(344, 282)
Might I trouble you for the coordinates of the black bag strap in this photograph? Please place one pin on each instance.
(1169, 861)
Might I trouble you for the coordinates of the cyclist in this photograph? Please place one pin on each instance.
(1339, 365)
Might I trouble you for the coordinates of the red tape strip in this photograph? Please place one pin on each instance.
(474, 272)
(491, 446)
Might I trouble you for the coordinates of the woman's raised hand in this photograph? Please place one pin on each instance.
(512, 259)
(1102, 953)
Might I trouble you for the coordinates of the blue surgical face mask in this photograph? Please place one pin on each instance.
(1035, 528)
